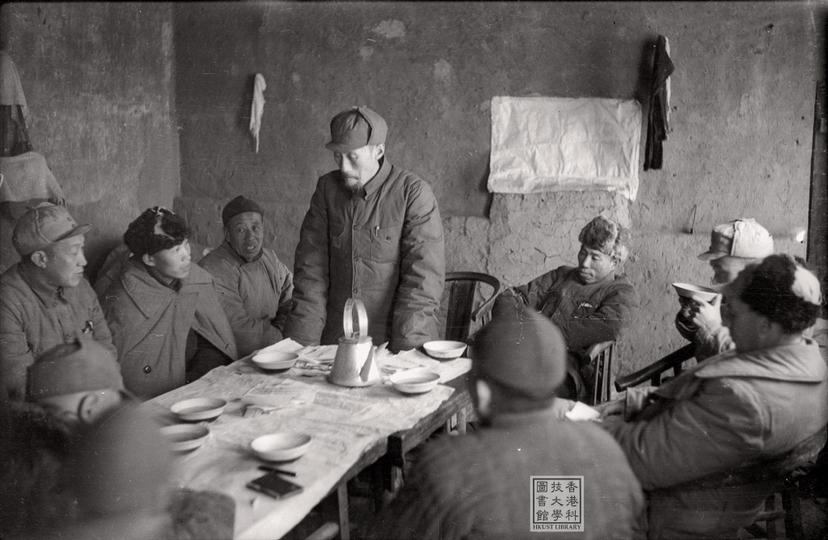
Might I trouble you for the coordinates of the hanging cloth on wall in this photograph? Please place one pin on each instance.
(257, 108)
(11, 91)
(14, 112)
(26, 177)
(658, 116)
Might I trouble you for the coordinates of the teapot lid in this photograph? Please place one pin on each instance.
(354, 305)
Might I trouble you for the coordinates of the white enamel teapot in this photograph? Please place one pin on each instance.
(354, 364)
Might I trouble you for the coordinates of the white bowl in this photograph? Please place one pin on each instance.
(696, 292)
(198, 409)
(444, 350)
(185, 437)
(275, 360)
(415, 381)
(281, 446)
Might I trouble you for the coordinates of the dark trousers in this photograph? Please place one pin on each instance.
(201, 356)
(580, 379)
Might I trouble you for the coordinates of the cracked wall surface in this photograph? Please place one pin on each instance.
(134, 104)
(742, 113)
(99, 80)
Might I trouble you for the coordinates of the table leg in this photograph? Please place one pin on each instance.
(342, 500)
(462, 420)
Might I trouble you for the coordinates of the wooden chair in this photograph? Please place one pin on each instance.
(786, 471)
(790, 476)
(654, 371)
(601, 355)
(463, 292)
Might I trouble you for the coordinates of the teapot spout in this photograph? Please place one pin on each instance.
(368, 367)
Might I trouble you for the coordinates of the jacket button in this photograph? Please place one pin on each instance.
(147, 369)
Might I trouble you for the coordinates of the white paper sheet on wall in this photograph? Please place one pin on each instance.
(564, 144)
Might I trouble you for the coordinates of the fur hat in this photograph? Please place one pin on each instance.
(156, 229)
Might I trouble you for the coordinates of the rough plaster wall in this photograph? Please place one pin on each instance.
(99, 83)
(742, 114)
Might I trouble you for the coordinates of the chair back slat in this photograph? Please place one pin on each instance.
(602, 356)
(464, 293)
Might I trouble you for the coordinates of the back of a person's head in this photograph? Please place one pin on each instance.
(782, 289)
(83, 365)
(522, 354)
(120, 464)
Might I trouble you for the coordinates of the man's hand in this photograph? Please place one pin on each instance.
(708, 316)
(560, 407)
(684, 319)
(611, 408)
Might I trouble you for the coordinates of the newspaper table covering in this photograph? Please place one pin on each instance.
(344, 422)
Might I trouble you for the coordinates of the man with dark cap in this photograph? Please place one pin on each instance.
(68, 387)
(373, 232)
(166, 318)
(481, 485)
(252, 283)
(82, 457)
(45, 299)
(590, 303)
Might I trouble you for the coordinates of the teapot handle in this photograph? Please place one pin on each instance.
(351, 305)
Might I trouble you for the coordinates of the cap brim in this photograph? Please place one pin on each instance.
(80, 229)
(342, 148)
(710, 255)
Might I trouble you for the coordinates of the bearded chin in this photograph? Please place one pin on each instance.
(352, 184)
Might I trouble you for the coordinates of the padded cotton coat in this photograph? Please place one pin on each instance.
(150, 323)
(384, 247)
(731, 411)
(255, 295)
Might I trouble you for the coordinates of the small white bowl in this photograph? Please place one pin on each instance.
(198, 409)
(281, 446)
(415, 381)
(696, 292)
(444, 350)
(185, 437)
(275, 360)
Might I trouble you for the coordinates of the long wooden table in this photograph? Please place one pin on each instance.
(352, 428)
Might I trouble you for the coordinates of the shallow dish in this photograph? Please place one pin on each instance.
(444, 350)
(185, 437)
(198, 409)
(280, 446)
(696, 292)
(275, 360)
(415, 381)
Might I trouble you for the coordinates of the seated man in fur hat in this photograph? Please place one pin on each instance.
(165, 316)
(74, 395)
(590, 303)
(253, 285)
(711, 444)
(476, 485)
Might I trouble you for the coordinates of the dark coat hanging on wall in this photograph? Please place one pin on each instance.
(657, 114)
